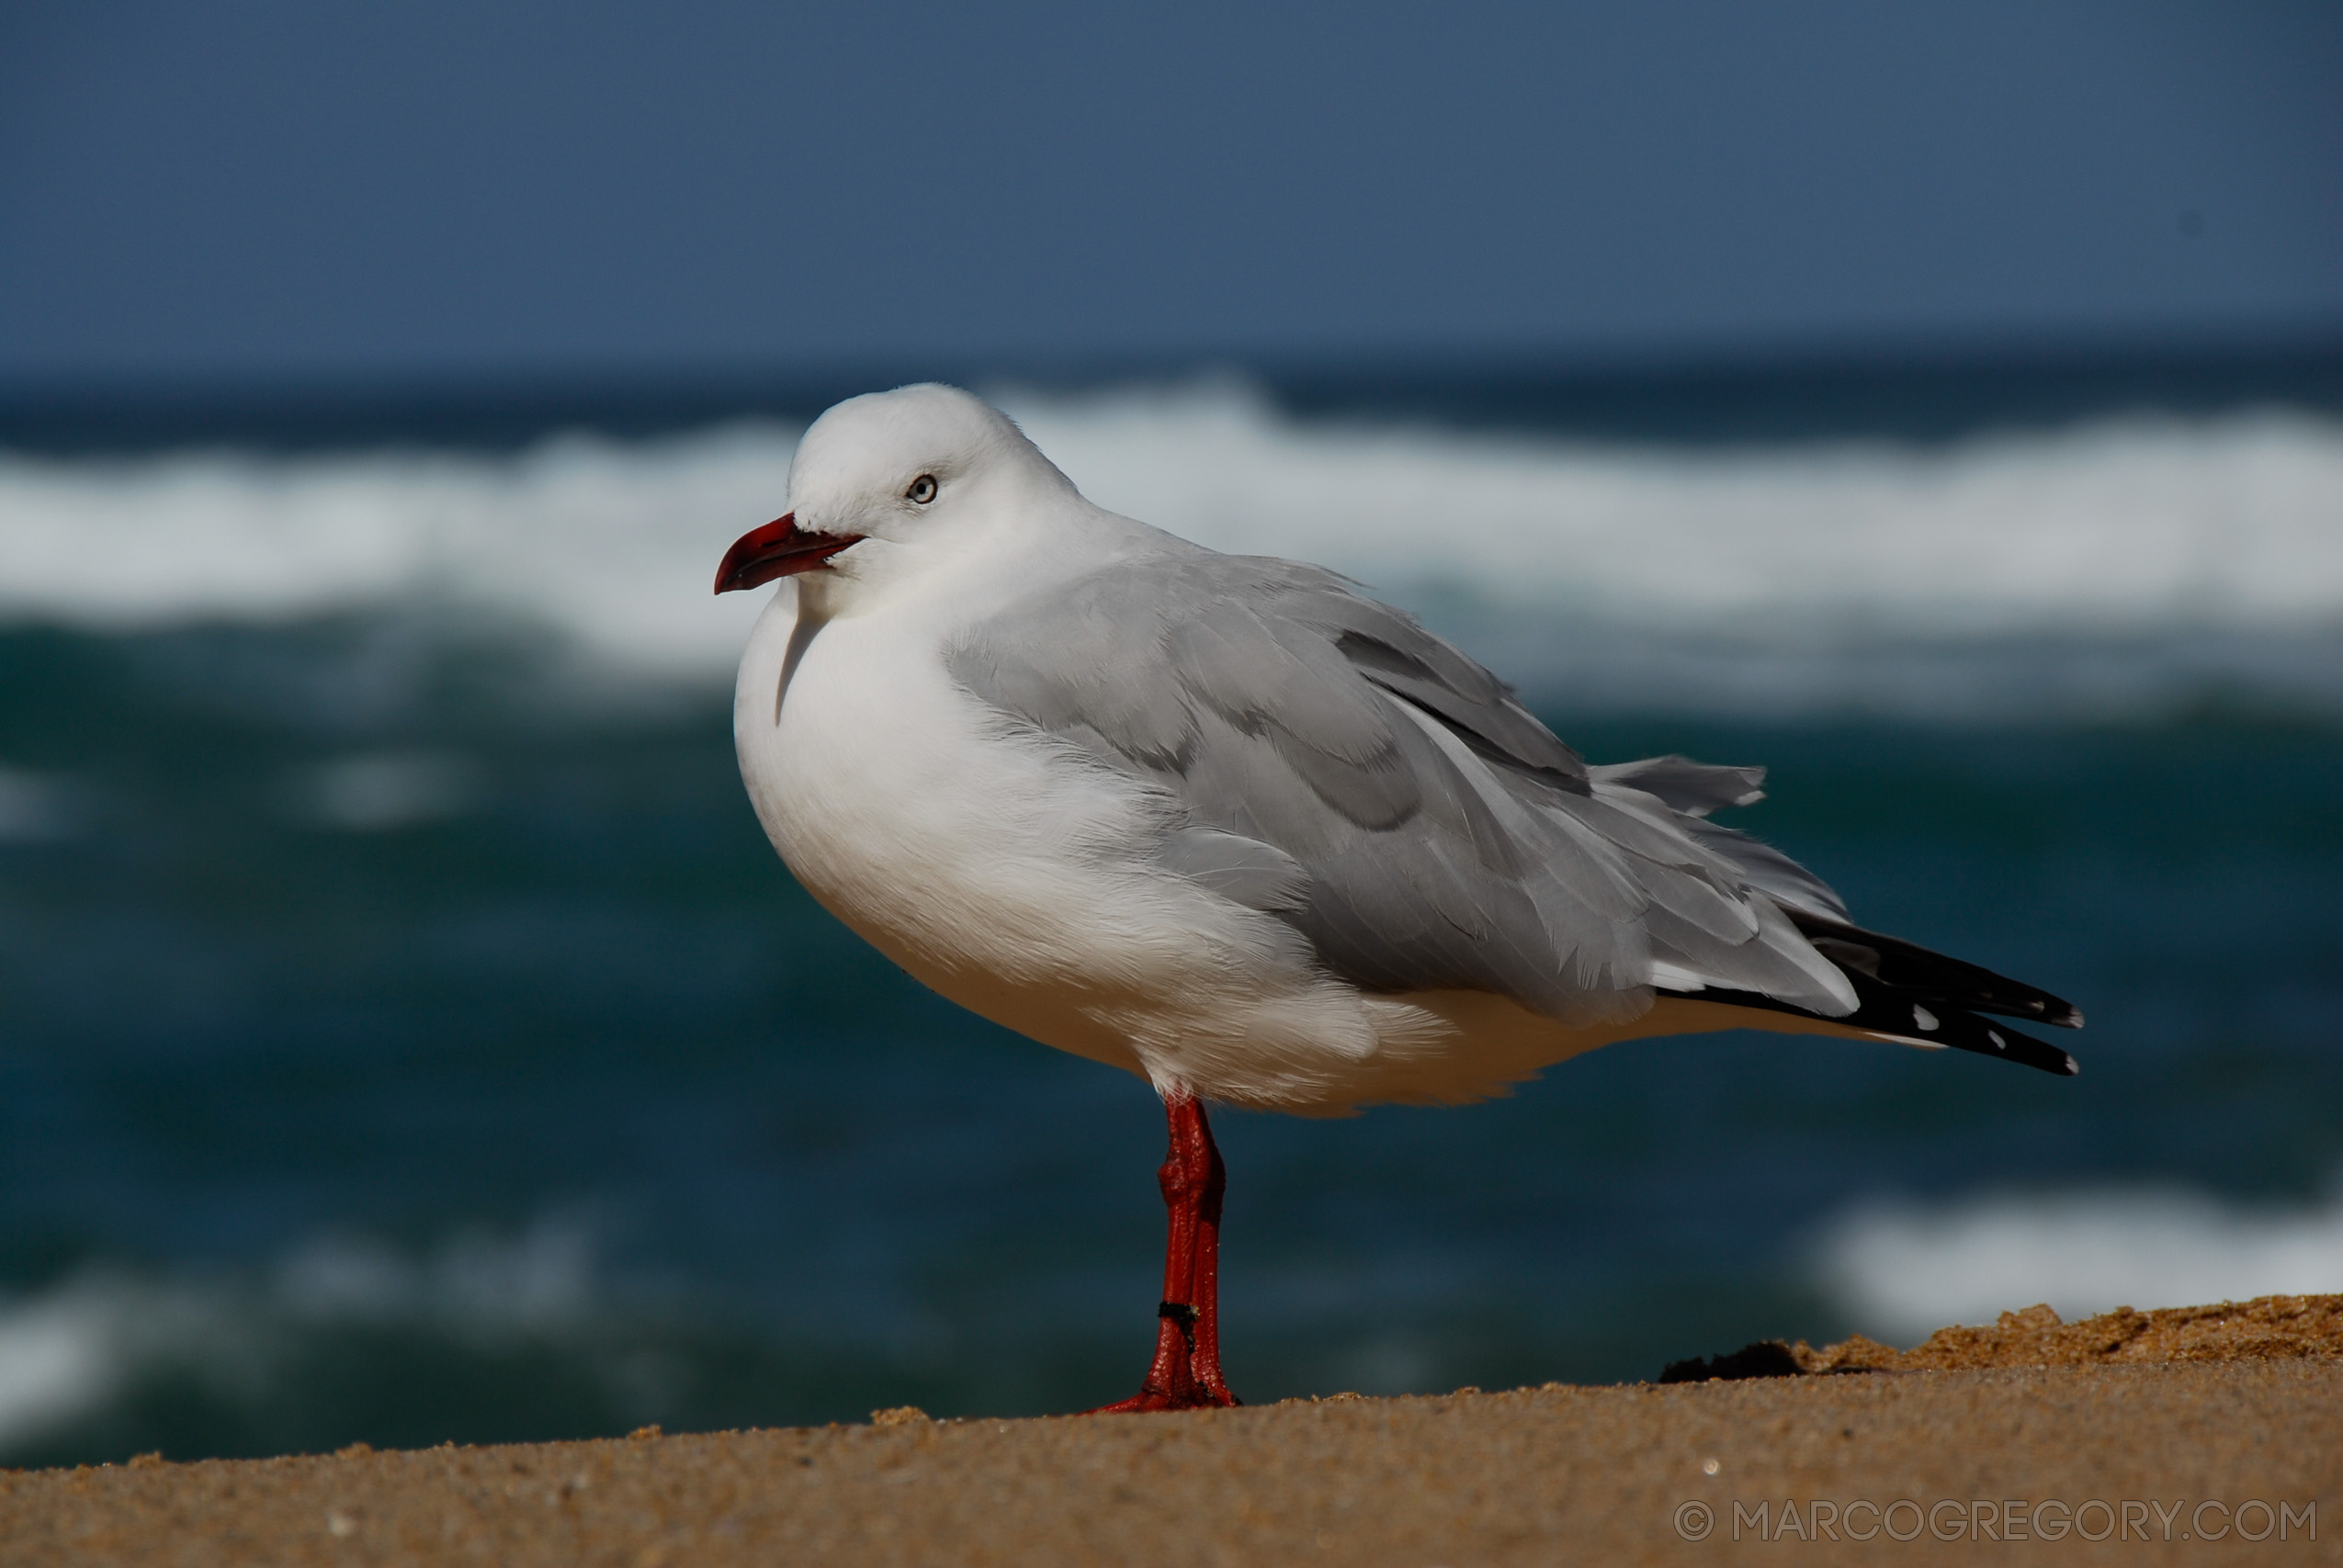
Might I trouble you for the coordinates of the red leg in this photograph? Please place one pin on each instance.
(1185, 1374)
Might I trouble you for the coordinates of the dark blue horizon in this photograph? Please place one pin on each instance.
(1951, 393)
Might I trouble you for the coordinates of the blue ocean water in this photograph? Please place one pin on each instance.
(409, 1035)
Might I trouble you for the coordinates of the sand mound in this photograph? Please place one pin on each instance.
(2266, 1328)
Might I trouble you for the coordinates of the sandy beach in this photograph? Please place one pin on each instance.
(2153, 1430)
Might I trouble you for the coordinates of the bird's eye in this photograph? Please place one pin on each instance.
(922, 489)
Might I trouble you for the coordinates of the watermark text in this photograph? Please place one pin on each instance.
(1999, 1519)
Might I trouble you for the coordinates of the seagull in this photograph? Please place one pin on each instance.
(1230, 824)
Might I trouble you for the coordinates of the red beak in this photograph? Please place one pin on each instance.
(780, 549)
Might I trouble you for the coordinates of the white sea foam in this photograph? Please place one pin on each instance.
(2096, 565)
(59, 1357)
(613, 543)
(69, 1351)
(2236, 523)
(1899, 1271)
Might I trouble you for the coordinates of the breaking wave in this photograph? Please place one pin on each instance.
(2105, 567)
(76, 1353)
(1900, 1272)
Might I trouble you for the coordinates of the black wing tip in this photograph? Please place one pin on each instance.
(2055, 1012)
(1990, 1040)
(1890, 1017)
(1907, 970)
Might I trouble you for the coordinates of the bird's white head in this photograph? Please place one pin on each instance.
(889, 472)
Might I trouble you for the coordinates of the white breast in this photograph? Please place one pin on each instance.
(994, 867)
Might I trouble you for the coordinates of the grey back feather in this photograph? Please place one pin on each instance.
(1343, 770)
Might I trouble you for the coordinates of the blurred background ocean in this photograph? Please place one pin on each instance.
(406, 1034)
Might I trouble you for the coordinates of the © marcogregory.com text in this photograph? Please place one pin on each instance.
(2011, 1519)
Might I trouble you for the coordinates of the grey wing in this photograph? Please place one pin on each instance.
(1345, 770)
(1692, 790)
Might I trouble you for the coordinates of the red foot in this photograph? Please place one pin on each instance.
(1185, 1374)
(1147, 1402)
